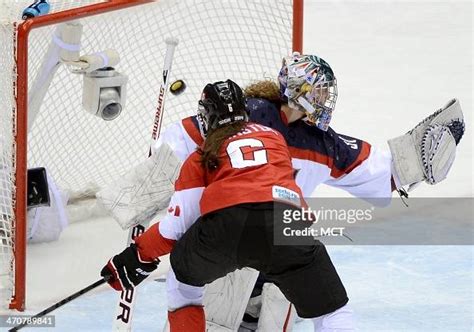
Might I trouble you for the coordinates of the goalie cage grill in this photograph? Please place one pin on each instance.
(242, 40)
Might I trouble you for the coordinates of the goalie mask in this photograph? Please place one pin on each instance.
(221, 103)
(308, 84)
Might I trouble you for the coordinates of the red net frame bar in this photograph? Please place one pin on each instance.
(20, 122)
(20, 159)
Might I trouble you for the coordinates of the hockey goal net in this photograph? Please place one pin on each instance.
(219, 39)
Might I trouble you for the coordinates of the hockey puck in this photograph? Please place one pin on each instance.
(177, 87)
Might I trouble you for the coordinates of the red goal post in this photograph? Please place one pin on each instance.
(245, 41)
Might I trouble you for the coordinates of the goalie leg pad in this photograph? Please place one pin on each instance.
(277, 313)
(226, 298)
(138, 195)
(426, 153)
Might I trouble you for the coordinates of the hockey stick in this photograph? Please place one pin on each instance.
(59, 304)
(170, 46)
(126, 303)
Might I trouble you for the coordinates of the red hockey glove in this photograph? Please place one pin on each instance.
(126, 270)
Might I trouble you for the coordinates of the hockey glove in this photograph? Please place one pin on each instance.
(126, 270)
(426, 153)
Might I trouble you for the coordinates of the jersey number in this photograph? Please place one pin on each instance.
(352, 143)
(246, 152)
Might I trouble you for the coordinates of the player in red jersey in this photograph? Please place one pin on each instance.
(232, 186)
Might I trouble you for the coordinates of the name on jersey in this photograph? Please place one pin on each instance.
(286, 195)
(254, 128)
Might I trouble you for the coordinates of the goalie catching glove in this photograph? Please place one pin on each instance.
(426, 153)
(127, 269)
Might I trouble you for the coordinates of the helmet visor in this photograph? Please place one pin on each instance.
(322, 99)
(317, 101)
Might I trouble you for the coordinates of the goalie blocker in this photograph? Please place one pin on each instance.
(143, 191)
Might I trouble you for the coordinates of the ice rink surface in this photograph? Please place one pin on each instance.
(391, 288)
(396, 62)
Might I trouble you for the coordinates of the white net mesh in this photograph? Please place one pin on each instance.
(219, 39)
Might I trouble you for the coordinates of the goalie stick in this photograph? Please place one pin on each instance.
(126, 302)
